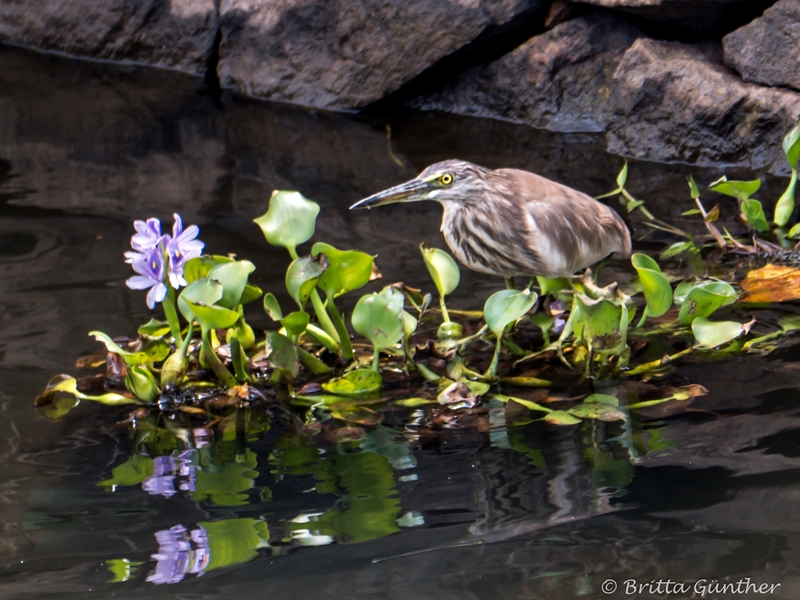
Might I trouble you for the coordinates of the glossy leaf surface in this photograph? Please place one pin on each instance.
(290, 220)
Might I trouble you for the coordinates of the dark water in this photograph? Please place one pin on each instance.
(473, 509)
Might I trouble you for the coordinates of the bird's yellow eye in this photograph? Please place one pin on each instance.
(446, 179)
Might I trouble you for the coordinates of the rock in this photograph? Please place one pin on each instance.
(558, 80)
(765, 51)
(173, 34)
(345, 54)
(674, 102)
(707, 17)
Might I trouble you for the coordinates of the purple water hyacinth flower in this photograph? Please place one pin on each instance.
(149, 265)
(148, 234)
(181, 247)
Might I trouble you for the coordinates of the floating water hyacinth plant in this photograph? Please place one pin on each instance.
(324, 362)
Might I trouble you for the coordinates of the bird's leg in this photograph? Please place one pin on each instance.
(510, 283)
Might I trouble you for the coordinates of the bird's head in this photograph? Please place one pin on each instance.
(446, 181)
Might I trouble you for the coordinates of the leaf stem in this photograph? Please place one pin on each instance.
(172, 316)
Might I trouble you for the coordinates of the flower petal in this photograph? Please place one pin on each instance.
(137, 282)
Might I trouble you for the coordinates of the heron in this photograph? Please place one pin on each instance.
(510, 222)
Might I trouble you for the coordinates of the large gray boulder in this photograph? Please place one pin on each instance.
(173, 34)
(559, 80)
(345, 54)
(677, 102)
(766, 50)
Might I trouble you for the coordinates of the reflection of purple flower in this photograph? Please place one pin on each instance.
(162, 481)
(175, 555)
(150, 268)
(181, 247)
(148, 234)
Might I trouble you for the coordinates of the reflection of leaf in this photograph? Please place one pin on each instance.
(225, 484)
(234, 541)
(122, 569)
(387, 442)
(773, 283)
(598, 406)
(561, 417)
(354, 383)
(132, 472)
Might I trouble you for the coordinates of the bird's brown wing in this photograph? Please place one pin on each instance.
(574, 229)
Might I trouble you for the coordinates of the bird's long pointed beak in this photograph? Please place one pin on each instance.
(410, 191)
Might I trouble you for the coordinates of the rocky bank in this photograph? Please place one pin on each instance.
(697, 81)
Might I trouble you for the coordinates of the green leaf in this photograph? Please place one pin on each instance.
(691, 211)
(693, 191)
(355, 383)
(272, 307)
(296, 323)
(794, 232)
(682, 290)
(130, 358)
(312, 363)
(347, 269)
(302, 277)
(600, 407)
(233, 277)
(754, 213)
(657, 290)
(154, 328)
(450, 330)
(69, 385)
(740, 190)
(443, 269)
(561, 417)
(213, 317)
(197, 268)
(712, 334)
(704, 299)
(379, 317)
(251, 294)
(526, 403)
(506, 306)
(791, 146)
(203, 291)
(414, 402)
(552, 285)
(789, 322)
(141, 383)
(623, 176)
(678, 248)
(290, 220)
(785, 205)
(282, 353)
(600, 318)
